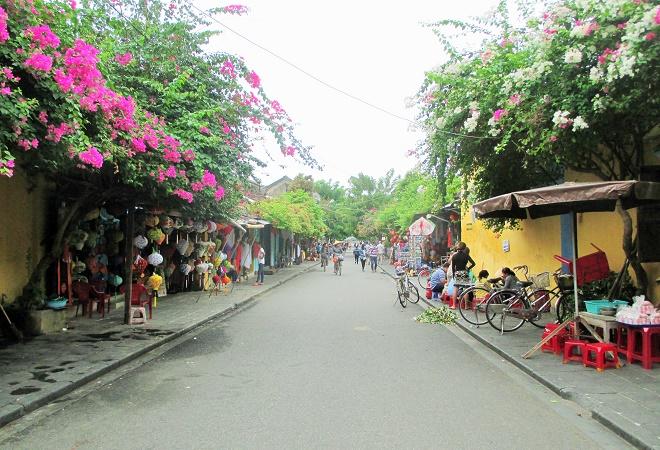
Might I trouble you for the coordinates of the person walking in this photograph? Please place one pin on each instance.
(373, 257)
(363, 256)
(261, 257)
(356, 253)
(381, 253)
(460, 263)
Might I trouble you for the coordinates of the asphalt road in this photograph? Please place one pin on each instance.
(321, 362)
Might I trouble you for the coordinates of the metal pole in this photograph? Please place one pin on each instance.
(128, 263)
(575, 286)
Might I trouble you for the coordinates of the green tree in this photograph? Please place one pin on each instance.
(573, 89)
(294, 211)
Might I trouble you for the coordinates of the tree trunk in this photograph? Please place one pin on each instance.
(630, 250)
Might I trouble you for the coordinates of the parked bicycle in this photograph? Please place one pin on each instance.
(508, 309)
(405, 289)
(471, 301)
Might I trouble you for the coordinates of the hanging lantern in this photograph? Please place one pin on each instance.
(155, 259)
(140, 242)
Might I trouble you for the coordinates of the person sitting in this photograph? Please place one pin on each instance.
(438, 279)
(482, 280)
(510, 279)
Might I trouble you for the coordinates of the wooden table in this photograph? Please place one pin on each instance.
(606, 323)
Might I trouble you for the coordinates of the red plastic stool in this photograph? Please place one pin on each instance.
(640, 345)
(569, 346)
(556, 344)
(600, 361)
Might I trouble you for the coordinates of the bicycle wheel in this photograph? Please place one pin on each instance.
(500, 309)
(472, 305)
(423, 278)
(413, 293)
(403, 299)
(566, 306)
(542, 300)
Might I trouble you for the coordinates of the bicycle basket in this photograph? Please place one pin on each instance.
(541, 281)
(565, 282)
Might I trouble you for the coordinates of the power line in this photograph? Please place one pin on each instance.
(324, 83)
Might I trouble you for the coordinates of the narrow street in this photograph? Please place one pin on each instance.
(320, 362)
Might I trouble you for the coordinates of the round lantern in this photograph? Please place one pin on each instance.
(212, 226)
(182, 246)
(140, 242)
(155, 259)
(151, 221)
(156, 235)
(185, 268)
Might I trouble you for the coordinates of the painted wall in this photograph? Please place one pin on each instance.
(22, 224)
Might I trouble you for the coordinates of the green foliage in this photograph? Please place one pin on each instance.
(295, 211)
(416, 193)
(600, 289)
(303, 182)
(441, 315)
(575, 89)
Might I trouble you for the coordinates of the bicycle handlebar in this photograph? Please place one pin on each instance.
(523, 267)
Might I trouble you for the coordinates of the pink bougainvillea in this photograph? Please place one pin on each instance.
(235, 9)
(204, 130)
(92, 157)
(39, 61)
(124, 59)
(219, 193)
(138, 145)
(254, 80)
(184, 195)
(208, 179)
(228, 69)
(43, 36)
(498, 114)
(4, 90)
(4, 32)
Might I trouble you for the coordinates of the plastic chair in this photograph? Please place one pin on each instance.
(596, 355)
(139, 297)
(82, 292)
(99, 294)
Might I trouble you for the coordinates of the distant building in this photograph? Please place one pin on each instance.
(277, 188)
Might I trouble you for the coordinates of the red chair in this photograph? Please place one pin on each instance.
(139, 296)
(99, 294)
(82, 291)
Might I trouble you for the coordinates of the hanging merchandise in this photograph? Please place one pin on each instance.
(155, 259)
(140, 242)
(200, 227)
(222, 256)
(77, 239)
(92, 215)
(115, 280)
(156, 235)
(182, 246)
(106, 217)
(116, 236)
(169, 270)
(151, 221)
(92, 239)
(212, 226)
(187, 226)
(190, 249)
(178, 223)
(185, 268)
(79, 267)
(201, 268)
(139, 264)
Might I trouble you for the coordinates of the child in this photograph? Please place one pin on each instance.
(483, 280)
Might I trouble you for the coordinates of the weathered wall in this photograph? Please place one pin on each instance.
(22, 223)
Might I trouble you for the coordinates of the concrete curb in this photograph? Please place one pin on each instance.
(10, 413)
(599, 416)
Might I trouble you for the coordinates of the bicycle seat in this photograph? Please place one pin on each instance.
(526, 283)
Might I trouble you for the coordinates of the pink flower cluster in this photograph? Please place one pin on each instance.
(208, 179)
(228, 69)
(254, 80)
(39, 61)
(43, 36)
(4, 32)
(235, 9)
(7, 168)
(290, 151)
(219, 193)
(124, 59)
(610, 54)
(184, 195)
(205, 130)
(498, 114)
(92, 157)
(27, 144)
(515, 99)
(55, 133)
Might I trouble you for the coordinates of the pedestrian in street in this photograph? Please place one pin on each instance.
(460, 264)
(381, 253)
(373, 257)
(261, 258)
(363, 256)
(356, 253)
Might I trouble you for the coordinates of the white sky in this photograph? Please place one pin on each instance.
(374, 50)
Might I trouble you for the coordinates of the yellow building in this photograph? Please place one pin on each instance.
(22, 231)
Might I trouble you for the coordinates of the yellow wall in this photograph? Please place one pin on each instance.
(22, 218)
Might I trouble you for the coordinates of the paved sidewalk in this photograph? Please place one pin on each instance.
(47, 367)
(625, 400)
